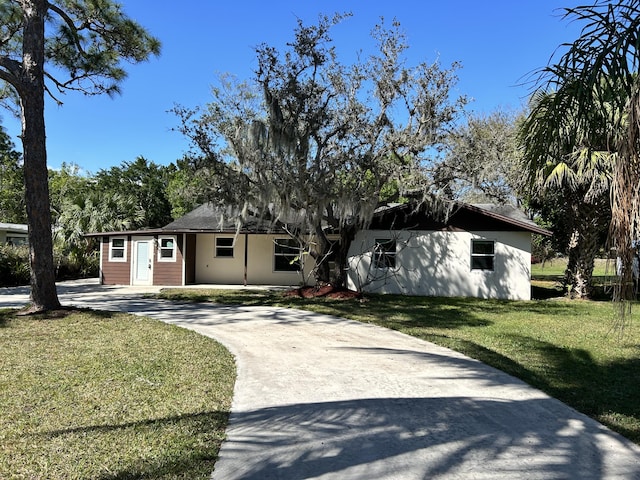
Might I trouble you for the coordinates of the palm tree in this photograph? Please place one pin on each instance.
(598, 71)
(94, 212)
(568, 157)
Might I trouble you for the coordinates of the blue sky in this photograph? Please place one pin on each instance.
(498, 42)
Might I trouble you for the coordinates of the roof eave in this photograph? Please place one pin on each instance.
(512, 221)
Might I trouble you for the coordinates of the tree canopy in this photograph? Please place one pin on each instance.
(12, 209)
(313, 136)
(482, 160)
(146, 183)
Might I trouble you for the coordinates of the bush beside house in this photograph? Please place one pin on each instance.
(14, 266)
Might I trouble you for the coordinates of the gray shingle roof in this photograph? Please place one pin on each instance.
(462, 215)
(511, 214)
(212, 218)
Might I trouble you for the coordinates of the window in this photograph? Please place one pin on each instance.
(384, 253)
(117, 250)
(17, 241)
(167, 249)
(286, 255)
(224, 247)
(482, 254)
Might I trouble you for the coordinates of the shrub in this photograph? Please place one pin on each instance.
(14, 265)
(73, 266)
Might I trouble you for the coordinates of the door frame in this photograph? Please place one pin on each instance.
(134, 259)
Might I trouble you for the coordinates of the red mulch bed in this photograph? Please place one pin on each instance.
(328, 291)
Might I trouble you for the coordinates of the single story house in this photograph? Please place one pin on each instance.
(481, 250)
(14, 234)
(478, 251)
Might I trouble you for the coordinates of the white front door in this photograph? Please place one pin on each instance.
(142, 266)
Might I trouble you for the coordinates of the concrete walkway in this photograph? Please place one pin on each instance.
(322, 397)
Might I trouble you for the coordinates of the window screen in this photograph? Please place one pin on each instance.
(117, 250)
(384, 253)
(286, 255)
(224, 247)
(482, 254)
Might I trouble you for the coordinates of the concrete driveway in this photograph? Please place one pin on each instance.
(323, 397)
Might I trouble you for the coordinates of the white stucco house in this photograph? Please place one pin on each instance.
(14, 234)
(477, 251)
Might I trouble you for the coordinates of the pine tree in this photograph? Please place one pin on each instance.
(60, 45)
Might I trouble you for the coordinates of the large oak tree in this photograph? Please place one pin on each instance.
(311, 135)
(51, 47)
(482, 160)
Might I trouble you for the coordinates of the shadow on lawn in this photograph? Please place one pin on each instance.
(5, 316)
(572, 376)
(195, 458)
(247, 297)
(8, 314)
(594, 388)
(445, 312)
(412, 311)
(551, 287)
(545, 292)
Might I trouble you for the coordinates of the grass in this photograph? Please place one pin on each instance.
(567, 348)
(112, 396)
(546, 279)
(555, 268)
(109, 396)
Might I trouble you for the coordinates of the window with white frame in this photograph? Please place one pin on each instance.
(167, 249)
(482, 254)
(384, 253)
(117, 249)
(286, 255)
(224, 247)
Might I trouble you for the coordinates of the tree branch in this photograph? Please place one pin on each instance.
(11, 32)
(72, 26)
(10, 72)
(48, 90)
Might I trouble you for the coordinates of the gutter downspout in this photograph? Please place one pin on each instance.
(246, 256)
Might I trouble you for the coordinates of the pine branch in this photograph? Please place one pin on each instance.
(72, 27)
(10, 72)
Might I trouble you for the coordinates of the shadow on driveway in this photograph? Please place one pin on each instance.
(411, 438)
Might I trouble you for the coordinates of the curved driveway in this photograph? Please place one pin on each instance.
(323, 397)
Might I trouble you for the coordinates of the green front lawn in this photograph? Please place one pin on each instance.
(107, 395)
(570, 349)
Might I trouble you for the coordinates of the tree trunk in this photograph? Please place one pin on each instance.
(43, 287)
(572, 261)
(579, 275)
(347, 234)
(583, 248)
